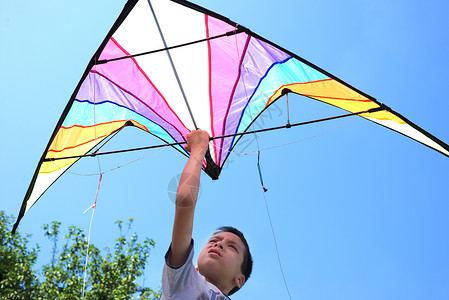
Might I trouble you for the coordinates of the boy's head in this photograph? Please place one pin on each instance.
(226, 260)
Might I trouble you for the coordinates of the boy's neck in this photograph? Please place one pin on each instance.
(225, 290)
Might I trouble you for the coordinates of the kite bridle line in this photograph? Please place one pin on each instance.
(373, 110)
(261, 179)
(294, 142)
(99, 180)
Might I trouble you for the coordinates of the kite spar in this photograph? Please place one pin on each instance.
(171, 66)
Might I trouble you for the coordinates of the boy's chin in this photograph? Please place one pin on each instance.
(210, 268)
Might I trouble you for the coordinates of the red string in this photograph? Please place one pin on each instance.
(98, 189)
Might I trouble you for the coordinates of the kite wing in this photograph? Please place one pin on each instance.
(168, 67)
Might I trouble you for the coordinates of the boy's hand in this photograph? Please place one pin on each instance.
(197, 140)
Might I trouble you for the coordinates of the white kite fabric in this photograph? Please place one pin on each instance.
(169, 67)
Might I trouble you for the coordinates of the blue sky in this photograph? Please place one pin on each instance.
(360, 212)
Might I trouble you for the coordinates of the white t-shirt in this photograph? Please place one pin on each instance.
(186, 283)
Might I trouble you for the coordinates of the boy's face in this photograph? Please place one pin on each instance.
(221, 259)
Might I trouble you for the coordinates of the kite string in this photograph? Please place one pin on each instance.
(112, 169)
(297, 141)
(264, 189)
(98, 187)
(261, 180)
(276, 245)
(89, 234)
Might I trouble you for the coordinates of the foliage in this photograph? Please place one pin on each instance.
(17, 279)
(108, 275)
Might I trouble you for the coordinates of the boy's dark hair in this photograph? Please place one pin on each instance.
(247, 264)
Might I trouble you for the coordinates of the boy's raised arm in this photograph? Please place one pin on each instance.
(186, 197)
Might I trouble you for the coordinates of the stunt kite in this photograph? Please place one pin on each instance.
(171, 66)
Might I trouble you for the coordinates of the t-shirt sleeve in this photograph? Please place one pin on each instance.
(176, 279)
(185, 282)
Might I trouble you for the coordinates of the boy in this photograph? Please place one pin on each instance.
(225, 262)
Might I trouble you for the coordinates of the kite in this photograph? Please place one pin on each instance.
(170, 66)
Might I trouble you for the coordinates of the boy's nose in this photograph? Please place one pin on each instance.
(219, 245)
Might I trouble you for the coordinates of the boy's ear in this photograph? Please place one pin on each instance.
(239, 280)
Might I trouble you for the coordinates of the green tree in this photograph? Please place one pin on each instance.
(112, 274)
(17, 279)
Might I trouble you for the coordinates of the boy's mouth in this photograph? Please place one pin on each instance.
(214, 252)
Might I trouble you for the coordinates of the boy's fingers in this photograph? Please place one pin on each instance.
(195, 138)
